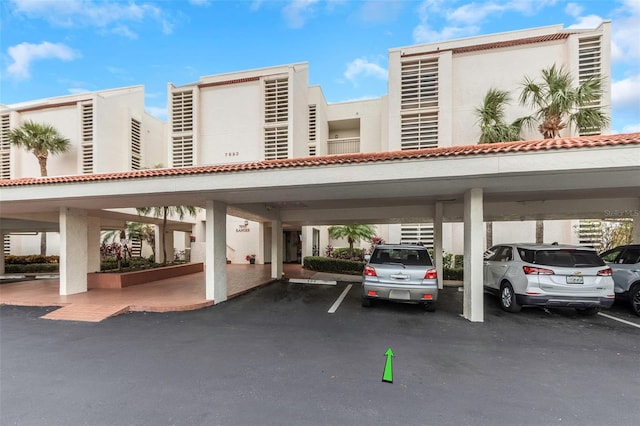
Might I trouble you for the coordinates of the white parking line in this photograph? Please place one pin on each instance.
(620, 320)
(340, 299)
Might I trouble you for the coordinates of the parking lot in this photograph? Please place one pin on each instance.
(278, 356)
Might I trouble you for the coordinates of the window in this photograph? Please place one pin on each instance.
(417, 233)
(276, 119)
(182, 151)
(405, 256)
(589, 66)
(419, 131)
(136, 146)
(419, 84)
(182, 128)
(86, 142)
(5, 147)
(182, 111)
(419, 104)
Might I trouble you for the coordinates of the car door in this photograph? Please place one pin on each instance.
(626, 269)
(496, 266)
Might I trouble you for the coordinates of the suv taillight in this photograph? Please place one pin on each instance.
(605, 272)
(431, 274)
(530, 270)
(370, 271)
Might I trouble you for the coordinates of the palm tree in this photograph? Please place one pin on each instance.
(558, 104)
(491, 117)
(42, 140)
(353, 234)
(493, 128)
(163, 213)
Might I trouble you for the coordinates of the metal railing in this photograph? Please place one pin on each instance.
(343, 145)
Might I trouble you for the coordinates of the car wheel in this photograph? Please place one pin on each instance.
(587, 312)
(634, 297)
(430, 307)
(508, 298)
(366, 302)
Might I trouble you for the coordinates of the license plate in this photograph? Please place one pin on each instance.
(399, 295)
(575, 279)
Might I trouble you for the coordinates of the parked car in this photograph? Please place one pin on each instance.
(548, 275)
(625, 263)
(400, 273)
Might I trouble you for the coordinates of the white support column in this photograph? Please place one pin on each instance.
(2, 252)
(307, 242)
(473, 306)
(93, 244)
(73, 251)
(216, 252)
(437, 242)
(277, 252)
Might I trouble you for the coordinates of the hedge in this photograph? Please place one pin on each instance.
(336, 266)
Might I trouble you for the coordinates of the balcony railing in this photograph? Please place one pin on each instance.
(343, 145)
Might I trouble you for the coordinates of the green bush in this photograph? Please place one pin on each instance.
(136, 263)
(31, 268)
(454, 274)
(336, 266)
(31, 259)
(343, 253)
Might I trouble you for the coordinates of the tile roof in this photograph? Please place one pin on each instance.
(497, 44)
(578, 142)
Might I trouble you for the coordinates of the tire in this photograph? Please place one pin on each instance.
(507, 298)
(634, 298)
(366, 302)
(430, 307)
(588, 312)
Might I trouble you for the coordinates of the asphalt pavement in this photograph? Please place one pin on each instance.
(276, 356)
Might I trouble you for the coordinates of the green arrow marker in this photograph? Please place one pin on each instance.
(387, 376)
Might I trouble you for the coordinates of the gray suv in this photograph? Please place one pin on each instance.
(625, 263)
(400, 273)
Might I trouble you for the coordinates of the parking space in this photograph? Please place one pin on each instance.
(278, 356)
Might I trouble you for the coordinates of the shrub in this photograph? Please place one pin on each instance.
(337, 266)
(21, 268)
(31, 259)
(454, 274)
(343, 253)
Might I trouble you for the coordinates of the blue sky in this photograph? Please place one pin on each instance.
(59, 47)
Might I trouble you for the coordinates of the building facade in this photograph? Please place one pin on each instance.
(273, 113)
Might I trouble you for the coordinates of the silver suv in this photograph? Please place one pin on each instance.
(625, 263)
(400, 273)
(548, 275)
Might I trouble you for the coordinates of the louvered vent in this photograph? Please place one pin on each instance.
(86, 143)
(136, 144)
(5, 147)
(276, 119)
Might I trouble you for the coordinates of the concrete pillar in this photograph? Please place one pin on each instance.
(73, 251)
(93, 244)
(307, 241)
(2, 253)
(277, 249)
(437, 242)
(216, 251)
(473, 306)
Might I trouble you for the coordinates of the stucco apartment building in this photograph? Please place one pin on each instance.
(273, 113)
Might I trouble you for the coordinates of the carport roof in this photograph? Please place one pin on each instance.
(374, 157)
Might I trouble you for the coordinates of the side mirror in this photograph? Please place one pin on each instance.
(367, 257)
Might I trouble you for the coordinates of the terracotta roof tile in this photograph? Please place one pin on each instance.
(369, 157)
(497, 44)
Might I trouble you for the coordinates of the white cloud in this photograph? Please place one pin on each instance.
(589, 21)
(424, 34)
(200, 2)
(574, 9)
(92, 13)
(626, 93)
(631, 128)
(625, 32)
(362, 67)
(297, 12)
(158, 112)
(24, 54)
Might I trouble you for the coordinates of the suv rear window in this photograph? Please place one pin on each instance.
(401, 255)
(566, 258)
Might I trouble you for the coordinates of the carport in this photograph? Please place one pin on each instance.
(581, 177)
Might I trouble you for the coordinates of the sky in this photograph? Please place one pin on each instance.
(54, 48)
